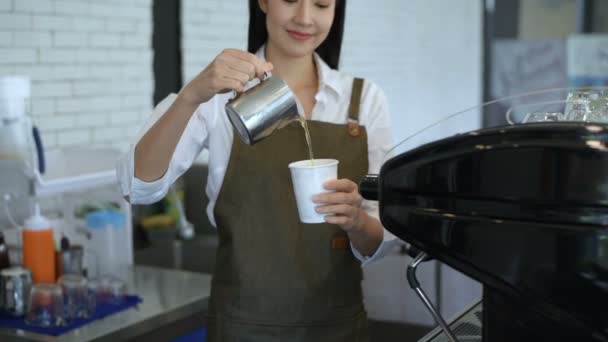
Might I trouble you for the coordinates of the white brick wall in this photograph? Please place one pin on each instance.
(90, 63)
(425, 54)
(208, 27)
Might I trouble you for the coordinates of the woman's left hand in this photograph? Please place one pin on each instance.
(343, 204)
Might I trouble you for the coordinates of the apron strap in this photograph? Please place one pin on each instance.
(353, 108)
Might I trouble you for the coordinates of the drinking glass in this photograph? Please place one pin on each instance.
(543, 117)
(91, 296)
(108, 289)
(45, 307)
(599, 109)
(117, 290)
(74, 296)
(578, 105)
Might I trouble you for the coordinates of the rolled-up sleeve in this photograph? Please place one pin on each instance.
(191, 143)
(376, 118)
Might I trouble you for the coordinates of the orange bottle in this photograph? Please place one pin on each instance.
(39, 248)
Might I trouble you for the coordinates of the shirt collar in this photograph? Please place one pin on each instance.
(326, 75)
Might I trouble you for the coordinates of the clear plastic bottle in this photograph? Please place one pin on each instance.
(107, 242)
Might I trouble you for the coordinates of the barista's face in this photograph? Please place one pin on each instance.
(298, 27)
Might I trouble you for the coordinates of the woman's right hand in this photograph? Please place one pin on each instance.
(231, 70)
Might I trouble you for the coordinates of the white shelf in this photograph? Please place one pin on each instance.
(75, 170)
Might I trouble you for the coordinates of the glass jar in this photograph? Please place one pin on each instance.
(578, 105)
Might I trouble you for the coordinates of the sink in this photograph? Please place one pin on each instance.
(196, 255)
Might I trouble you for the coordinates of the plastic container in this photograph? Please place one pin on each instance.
(39, 248)
(108, 241)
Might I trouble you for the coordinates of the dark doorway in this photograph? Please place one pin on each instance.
(166, 42)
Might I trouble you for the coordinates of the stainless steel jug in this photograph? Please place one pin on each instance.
(71, 260)
(15, 285)
(258, 111)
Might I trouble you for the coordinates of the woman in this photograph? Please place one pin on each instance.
(277, 279)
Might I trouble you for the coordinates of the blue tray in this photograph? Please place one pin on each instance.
(103, 310)
(199, 335)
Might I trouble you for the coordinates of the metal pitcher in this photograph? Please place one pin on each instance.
(258, 111)
(15, 284)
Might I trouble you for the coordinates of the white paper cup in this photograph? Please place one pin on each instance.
(308, 181)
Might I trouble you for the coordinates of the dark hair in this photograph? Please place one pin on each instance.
(329, 50)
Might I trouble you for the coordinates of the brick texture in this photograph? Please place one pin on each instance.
(76, 53)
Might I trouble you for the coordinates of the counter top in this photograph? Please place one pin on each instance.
(168, 296)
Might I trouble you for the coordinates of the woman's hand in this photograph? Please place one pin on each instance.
(231, 70)
(343, 204)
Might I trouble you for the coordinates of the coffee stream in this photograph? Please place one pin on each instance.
(308, 142)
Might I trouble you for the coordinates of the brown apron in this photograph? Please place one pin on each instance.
(275, 278)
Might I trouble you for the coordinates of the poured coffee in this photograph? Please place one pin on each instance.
(308, 142)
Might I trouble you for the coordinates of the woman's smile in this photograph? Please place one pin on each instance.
(299, 35)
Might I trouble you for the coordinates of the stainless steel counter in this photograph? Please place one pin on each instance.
(169, 297)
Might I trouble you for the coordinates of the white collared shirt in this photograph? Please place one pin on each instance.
(209, 128)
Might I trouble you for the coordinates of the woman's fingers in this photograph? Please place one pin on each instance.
(259, 67)
(238, 76)
(335, 198)
(342, 206)
(345, 185)
(337, 209)
(225, 78)
(223, 84)
(350, 198)
(232, 84)
(240, 66)
(231, 70)
(344, 215)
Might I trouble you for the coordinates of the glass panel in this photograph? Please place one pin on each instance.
(589, 104)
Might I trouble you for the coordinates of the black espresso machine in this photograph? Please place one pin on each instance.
(521, 208)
